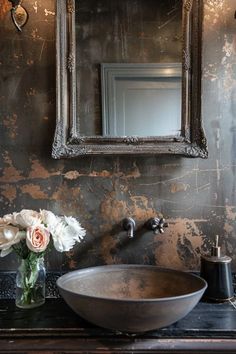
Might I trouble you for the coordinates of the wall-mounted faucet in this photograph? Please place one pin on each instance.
(129, 226)
(157, 225)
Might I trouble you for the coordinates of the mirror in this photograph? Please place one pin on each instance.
(129, 78)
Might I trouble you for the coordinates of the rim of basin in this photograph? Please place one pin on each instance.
(116, 267)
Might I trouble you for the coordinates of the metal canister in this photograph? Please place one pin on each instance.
(216, 270)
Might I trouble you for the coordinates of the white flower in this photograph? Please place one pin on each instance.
(9, 236)
(49, 219)
(8, 219)
(66, 233)
(25, 218)
(75, 228)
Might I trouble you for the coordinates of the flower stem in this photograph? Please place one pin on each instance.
(30, 280)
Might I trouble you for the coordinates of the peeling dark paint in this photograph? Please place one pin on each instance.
(196, 197)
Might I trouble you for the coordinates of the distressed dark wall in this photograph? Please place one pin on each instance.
(196, 196)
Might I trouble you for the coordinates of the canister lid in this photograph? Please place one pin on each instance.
(215, 255)
(212, 259)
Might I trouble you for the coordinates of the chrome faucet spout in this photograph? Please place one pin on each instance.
(129, 226)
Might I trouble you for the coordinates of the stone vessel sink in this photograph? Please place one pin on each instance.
(131, 298)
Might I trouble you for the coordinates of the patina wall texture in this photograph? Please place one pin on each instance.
(197, 197)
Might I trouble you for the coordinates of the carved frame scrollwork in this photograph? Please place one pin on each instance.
(68, 141)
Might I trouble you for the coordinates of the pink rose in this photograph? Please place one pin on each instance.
(37, 238)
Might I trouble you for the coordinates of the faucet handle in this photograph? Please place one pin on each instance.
(157, 225)
(129, 226)
(162, 225)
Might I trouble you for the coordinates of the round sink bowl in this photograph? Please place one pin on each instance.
(131, 298)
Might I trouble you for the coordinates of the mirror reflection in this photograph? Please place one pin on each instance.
(129, 33)
(141, 99)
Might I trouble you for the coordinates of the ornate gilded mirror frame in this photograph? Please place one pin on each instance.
(68, 142)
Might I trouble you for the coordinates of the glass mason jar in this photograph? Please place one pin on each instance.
(30, 282)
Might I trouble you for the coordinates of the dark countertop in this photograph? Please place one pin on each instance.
(54, 326)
